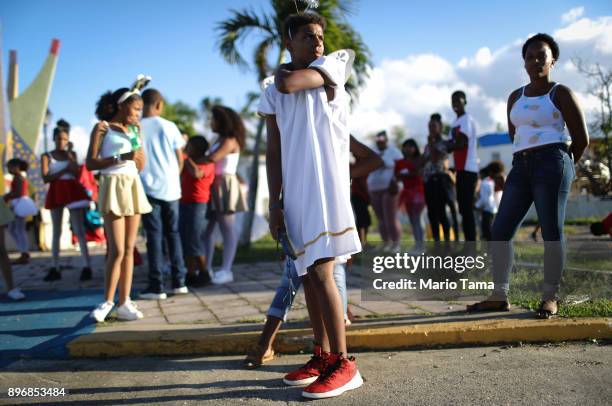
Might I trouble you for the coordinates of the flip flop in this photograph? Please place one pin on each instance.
(257, 357)
(547, 309)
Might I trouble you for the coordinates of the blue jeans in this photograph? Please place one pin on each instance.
(163, 224)
(542, 176)
(290, 283)
(192, 224)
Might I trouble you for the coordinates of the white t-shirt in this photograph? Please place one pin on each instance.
(465, 159)
(486, 196)
(381, 178)
(160, 176)
(315, 164)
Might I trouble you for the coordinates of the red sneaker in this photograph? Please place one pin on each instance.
(340, 376)
(309, 372)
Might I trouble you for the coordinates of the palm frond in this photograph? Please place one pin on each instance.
(261, 57)
(236, 28)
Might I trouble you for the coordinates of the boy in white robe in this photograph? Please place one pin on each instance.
(307, 158)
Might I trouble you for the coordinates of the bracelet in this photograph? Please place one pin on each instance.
(276, 206)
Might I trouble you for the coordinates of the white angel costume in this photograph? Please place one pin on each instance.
(315, 164)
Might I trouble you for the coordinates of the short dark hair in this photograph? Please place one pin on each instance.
(547, 39)
(199, 144)
(459, 93)
(151, 97)
(436, 117)
(19, 163)
(107, 107)
(295, 21)
(382, 133)
(229, 124)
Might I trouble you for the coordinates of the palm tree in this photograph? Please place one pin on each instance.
(242, 23)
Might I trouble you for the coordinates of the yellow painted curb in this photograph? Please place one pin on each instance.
(197, 341)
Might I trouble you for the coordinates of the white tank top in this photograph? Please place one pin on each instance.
(55, 166)
(228, 164)
(115, 143)
(537, 122)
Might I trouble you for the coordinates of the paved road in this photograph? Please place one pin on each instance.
(546, 374)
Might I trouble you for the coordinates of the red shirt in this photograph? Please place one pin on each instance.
(196, 190)
(413, 183)
(359, 187)
(460, 155)
(24, 187)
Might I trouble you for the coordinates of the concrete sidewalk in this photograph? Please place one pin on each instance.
(54, 321)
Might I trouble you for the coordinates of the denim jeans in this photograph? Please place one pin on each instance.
(542, 176)
(290, 283)
(192, 224)
(162, 224)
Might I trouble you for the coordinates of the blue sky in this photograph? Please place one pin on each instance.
(106, 43)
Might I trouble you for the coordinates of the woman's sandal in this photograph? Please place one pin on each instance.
(547, 309)
(489, 306)
(257, 357)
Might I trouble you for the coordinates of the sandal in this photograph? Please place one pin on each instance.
(547, 309)
(489, 306)
(257, 357)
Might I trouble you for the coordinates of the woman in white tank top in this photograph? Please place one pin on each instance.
(226, 197)
(542, 172)
(115, 150)
(60, 170)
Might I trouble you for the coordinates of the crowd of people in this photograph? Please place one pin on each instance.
(318, 215)
(144, 168)
(411, 181)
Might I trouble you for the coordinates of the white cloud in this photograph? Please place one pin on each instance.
(80, 141)
(573, 14)
(406, 91)
(587, 32)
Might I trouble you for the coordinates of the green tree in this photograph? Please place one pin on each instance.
(182, 115)
(600, 86)
(242, 23)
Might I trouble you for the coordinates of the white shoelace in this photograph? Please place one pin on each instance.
(103, 306)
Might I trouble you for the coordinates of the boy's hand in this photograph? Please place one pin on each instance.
(277, 222)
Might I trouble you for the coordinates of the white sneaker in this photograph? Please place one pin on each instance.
(387, 248)
(128, 311)
(222, 277)
(101, 311)
(150, 295)
(180, 291)
(16, 294)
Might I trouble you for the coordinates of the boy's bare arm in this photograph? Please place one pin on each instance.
(366, 159)
(275, 175)
(288, 81)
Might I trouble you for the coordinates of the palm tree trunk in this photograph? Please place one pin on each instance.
(245, 237)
